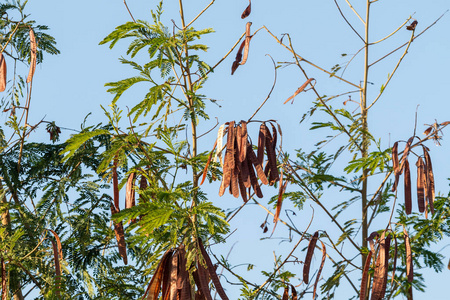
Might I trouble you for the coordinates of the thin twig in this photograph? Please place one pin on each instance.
(393, 72)
(356, 13)
(345, 19)
(400, 47)
(271, 90)
(395, 31)
(131, 15)
(209, 130)
(287, 257)
(189, 24)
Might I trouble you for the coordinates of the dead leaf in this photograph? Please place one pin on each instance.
(309, 255)
(33, 55)
(2, 73)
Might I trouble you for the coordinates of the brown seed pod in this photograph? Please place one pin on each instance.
(394, 267)
(2, 73)
(407, 148)
(238, 58)
(309, 255)
(286, 293)
(272, 158)
(408, 200)
(248, 37)
(212, 272)
(281, 190)
(33, 55)
(395, 163)
(205, 170)
(115, 184)
(409, 260)
(120, 236)
(242, 141)
(253, 179)
(365, 277)
(253, 159)
(420, 184)
(430, 180)
(294, 292)
(154, 287)
(56, 259)
(319, 272)
(261, 143)
(247, 10)
(245, 173)
(242, 188)
(381, 269)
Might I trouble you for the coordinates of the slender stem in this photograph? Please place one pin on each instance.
(345, 19)
(356, 13)
(201, 13)
(365, 137)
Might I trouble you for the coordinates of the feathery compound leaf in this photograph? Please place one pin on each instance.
(212, 272)
(2, 73)
(420, 184)
(319, 272)
(247, 11)
(309, 255)
(299, 90)
(408, 200)
(365, 277)
(33, 48)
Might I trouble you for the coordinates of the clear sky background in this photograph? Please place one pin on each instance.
(69, 86)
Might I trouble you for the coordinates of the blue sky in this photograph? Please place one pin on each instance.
(69, 86)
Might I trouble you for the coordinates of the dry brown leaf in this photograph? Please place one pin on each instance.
(420, 184)
(299, 90)
(319, 272)
(33, 54)
(365, 277)
(445, 123)
(2, 73)
(205, 171)
(247, 10)
(428, 130)
(412, 26)
(408, 200)
(309, 255)
(212, 272)
(238, 58)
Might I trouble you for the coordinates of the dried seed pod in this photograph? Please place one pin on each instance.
(430, 181)
(365, 277)
(294, 292)
(57, 267)
(58, 243)
(408, 200)
(120, 236)
(4, 280)
(115, 184)
(254, 160)
(154, 287)
(407, 148)
(248, 37)
(395, 163)
(212, 272)
(309, 255)
(33, 55)
(261, 143)
(238, 58)
(394, 267)
(253, 179)
(245, 173)
(272, 158)
(319, 272)
(409, 260)
(299, 90)
(242, 188)
(2, 73)
(247, 10)
(243, 140)
(220, 134)
(286, 293)
(130, 195)
(420, 184)
(281, 190)
(428, 130)
(381, 269)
